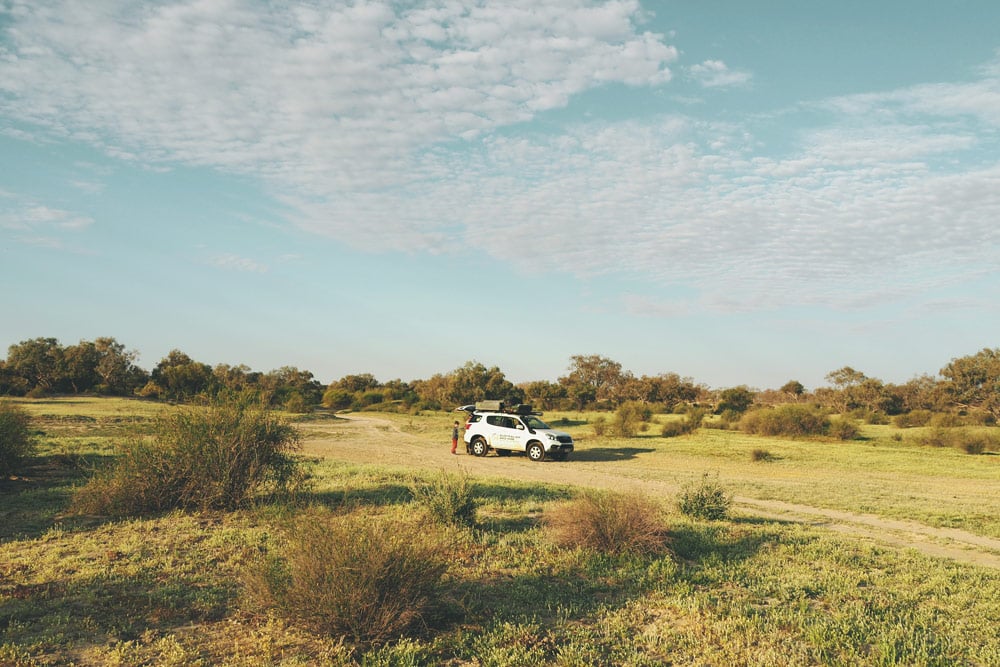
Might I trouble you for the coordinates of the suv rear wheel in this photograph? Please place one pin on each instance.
(479, 447)
(535, 451)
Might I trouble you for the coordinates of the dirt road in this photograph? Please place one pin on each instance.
(366, 439)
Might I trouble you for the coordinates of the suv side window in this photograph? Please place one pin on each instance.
(494, 420)
(475, 418)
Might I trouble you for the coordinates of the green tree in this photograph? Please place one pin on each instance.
(735, 399)
(475, 382)
(974, 381)
(602, 375)
(357, 383)
(181, 378)
(793, 388)
(287, 382)
(845, 380)
(543, 394)
(433, 391)
(39, 362)
(923, 393)
(80, 366)
(235, 378)
(116, 367)
(668, 389)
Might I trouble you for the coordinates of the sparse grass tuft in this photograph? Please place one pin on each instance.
(367, 579)
(448, 498)
(609, 523)
(705, 500)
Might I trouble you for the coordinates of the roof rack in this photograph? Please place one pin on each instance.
(500, 406)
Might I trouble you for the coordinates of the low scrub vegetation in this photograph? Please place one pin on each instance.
(16, 443)
(689, 424)
(609, 523)
(363, 577)
(796, 421)
(213, 458)
(448, 498)
(706, 499)
(786, 420)
(368, 579)
(970, 441)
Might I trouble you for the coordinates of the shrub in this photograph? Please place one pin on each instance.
(877, 418)
(16, 443)
(689, 424)
(628, 417)
(913, 418)
(788, 420)
(296, 403)
(945, 420)
(600, 425)
(704, 500)
(844, 429)
(758, 455)
(448, 498)
(609, 523)
(366, 579)
(970, 442)
(214, 458)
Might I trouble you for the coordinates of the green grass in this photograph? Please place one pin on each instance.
(167, 590)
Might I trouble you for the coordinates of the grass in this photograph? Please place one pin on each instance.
(742, 591)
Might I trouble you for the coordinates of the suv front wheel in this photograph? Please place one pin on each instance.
(535, 451)
(479, 447)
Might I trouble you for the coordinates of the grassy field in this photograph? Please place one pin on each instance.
(169, 590)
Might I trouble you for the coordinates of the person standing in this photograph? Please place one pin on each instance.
(454, 438)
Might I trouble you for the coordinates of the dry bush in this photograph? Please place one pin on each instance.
(366, 579)
(609, 523)
(215, 458)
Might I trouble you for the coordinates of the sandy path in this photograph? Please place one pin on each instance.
(364, 439)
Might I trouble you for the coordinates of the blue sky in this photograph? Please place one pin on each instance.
(739, 192)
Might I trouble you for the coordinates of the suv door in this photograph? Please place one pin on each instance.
(504, 433)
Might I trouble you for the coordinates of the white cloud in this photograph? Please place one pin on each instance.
(383, 128)
(24, 216)
(231, 262)
(716, 74)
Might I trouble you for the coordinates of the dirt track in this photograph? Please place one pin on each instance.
(363, 439)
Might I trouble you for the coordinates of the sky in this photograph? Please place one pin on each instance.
(737, 192)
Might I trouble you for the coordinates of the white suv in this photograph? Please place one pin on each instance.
(515, 430)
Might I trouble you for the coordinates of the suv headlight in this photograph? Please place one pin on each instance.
(552, 437)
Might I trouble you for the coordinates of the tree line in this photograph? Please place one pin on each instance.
(43, 367)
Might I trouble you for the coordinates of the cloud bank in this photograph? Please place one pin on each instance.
(411, 128)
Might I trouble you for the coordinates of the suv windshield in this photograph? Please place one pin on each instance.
(534, 422)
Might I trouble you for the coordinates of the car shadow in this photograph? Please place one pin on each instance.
(609, 453)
